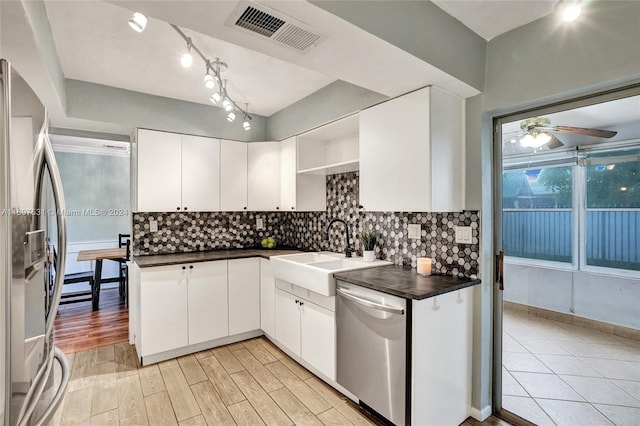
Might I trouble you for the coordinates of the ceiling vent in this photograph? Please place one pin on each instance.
(276, 26)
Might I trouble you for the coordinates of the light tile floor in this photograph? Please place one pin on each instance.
(561, 374)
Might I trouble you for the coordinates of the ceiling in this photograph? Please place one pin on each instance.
(490, 18)
(95, 44)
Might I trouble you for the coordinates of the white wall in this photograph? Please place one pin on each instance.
(610, 299)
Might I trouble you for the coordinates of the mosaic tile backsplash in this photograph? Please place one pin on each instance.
(192, 231)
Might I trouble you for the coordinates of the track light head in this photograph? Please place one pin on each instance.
(227, 104)
(231, 116)
(187, 59)
(246, 125)
(215, 98)
(138, 22)
(209, 81)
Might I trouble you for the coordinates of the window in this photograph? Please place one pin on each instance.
(613, 210)
(541, 209)
(537, 216)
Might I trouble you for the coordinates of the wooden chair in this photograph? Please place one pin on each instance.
(76, 278)
(124, 240)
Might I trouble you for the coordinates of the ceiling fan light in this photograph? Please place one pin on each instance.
(138, 22)
(542, 138)
(209, 81)
(231, 116)
(215, 98)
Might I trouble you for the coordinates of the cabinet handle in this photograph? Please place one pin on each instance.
(177, 208)
(361, 206)
(297, 301)
(184, 267)
(277, 208)
(244, 208)
(301, 303)
(190, 266)
(293, 208)
(184, 208)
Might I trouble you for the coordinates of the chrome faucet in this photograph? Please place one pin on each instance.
(347, 250)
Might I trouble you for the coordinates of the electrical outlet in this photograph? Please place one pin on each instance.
(259, 223)
(153, 226)
(463, 235)
(414, 231)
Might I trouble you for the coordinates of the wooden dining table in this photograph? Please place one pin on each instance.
(117, 254)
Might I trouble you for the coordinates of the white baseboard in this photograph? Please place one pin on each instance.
(481, 415)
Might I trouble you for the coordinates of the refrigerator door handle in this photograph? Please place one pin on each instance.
(47, 162)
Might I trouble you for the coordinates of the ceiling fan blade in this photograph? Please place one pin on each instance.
(554, 143)
(583, 131)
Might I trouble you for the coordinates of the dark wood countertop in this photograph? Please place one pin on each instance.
(404, 281)
(147, 261)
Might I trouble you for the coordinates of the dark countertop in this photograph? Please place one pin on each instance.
(405, 281)
(206, 256)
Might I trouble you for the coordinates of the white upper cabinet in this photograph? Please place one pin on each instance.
(299, 192)
(177, 172)
(159, 171)
(200, 174)
(411, 153)
(263, 176)
(233, 176)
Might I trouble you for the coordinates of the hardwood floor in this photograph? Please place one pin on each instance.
(247, 383)
(78, 328)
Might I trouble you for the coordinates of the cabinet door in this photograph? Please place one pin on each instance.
(163, 309)
(263, 176)
(244, 295)
(208, 306)
(301, 192)
(395, 157)
(267, 299)
(318, 338)
(288, 174)
(288, 321)
(200, 174)
(233, 176)
(159, 171)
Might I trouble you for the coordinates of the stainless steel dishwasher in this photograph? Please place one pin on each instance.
(372, 349)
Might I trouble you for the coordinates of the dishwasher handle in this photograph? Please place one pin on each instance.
(369, 303)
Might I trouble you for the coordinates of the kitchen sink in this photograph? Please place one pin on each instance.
(314, 271)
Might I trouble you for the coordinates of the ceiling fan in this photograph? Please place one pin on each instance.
(538, 132)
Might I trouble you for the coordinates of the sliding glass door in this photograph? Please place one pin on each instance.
(568, 222)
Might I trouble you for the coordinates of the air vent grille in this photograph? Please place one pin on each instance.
(296, 37)
(259, 22)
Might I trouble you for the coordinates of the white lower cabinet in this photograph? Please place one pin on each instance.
(244, 295)
(307, 329)
(267, 299)
(317, 337)
(288, 321)
(163, 309)
(207, 301)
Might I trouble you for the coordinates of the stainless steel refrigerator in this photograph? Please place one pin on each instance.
(34, 372)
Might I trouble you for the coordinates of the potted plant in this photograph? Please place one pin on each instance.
(368, 246)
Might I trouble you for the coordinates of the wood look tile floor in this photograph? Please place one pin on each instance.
(247, 383)
(77, 327)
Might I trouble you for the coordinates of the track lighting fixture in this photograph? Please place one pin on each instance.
(569, 10)
(212, 74)
(138, 22)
